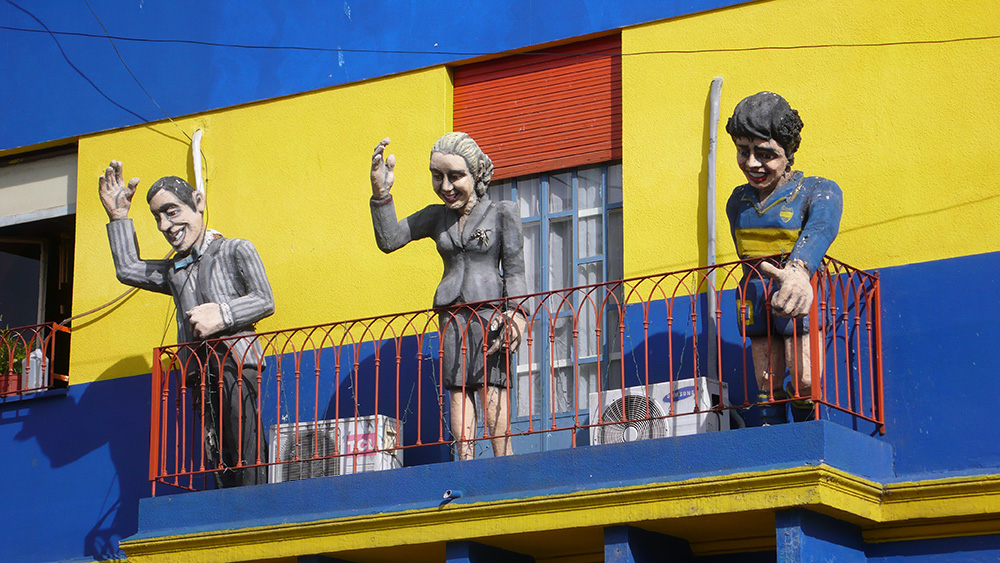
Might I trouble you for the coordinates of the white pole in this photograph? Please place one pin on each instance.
(713, 141)
(199, 182)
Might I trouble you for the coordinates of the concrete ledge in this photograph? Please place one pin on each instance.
(519, 477)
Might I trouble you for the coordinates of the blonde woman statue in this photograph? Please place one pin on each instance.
(482, 247)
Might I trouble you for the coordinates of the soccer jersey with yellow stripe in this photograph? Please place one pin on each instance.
(800, 218)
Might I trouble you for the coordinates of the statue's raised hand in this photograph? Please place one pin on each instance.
(383, 171)
(115, 195)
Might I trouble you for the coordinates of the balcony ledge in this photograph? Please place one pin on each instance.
(687, 481)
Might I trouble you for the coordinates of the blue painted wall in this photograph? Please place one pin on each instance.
(941, 363)
(976, 549)
(59, 85)
(74, 468)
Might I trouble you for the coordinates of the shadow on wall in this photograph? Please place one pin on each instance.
(93, 487)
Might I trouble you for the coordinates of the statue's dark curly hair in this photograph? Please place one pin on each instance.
(767, 115)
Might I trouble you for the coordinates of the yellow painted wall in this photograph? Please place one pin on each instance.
(908, 129)
(291, 175)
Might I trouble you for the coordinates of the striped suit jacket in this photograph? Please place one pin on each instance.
(228, 272)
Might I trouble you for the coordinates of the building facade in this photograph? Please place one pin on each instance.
(291, 100)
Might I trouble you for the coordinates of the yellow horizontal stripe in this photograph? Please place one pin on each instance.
(950, 507)
(753, 243)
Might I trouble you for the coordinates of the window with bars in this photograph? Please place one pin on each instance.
(572, 237)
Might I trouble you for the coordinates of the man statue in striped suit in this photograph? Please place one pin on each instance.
(220, 291)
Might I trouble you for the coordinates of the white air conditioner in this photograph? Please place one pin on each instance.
(622, 412)
(366, 443)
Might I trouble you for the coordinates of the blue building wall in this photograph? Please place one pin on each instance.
(75, 466)
(190, 54)
(939, 345)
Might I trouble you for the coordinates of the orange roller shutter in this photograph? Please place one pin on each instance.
(538, 112)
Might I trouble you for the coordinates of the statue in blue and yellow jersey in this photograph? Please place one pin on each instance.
(778, 211)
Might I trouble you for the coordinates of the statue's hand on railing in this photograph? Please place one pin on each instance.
(512, 329)
(794, 295)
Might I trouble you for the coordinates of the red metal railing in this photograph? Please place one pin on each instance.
(358, 395)
(27, 359)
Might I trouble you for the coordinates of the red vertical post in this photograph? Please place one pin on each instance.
(581, 303)
(420, 389)
(880, 418)
(154, 420)
(815, 346)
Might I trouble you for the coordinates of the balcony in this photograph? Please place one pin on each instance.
(30, 357)
(646, 357)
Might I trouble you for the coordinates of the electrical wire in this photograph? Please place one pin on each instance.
(70, 63)
(485, 53)
(132, 74)
(127, 293)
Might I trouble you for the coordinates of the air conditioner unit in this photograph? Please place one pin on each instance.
(366, 443)
(629, 415)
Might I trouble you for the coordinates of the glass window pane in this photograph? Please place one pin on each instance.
(586, 384)
(528, 194)
(532, 256)
(563, 348)
(563, 384)
(529, 394)
(588, 187)
(616, 249)
(563, 343)
(560, 192)
(530, 351)
(586, 329)
(501, 191)
(21, 280)
(591, 241)
(560, 253)
(615, 183)
(587, 303)
(589, 273)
